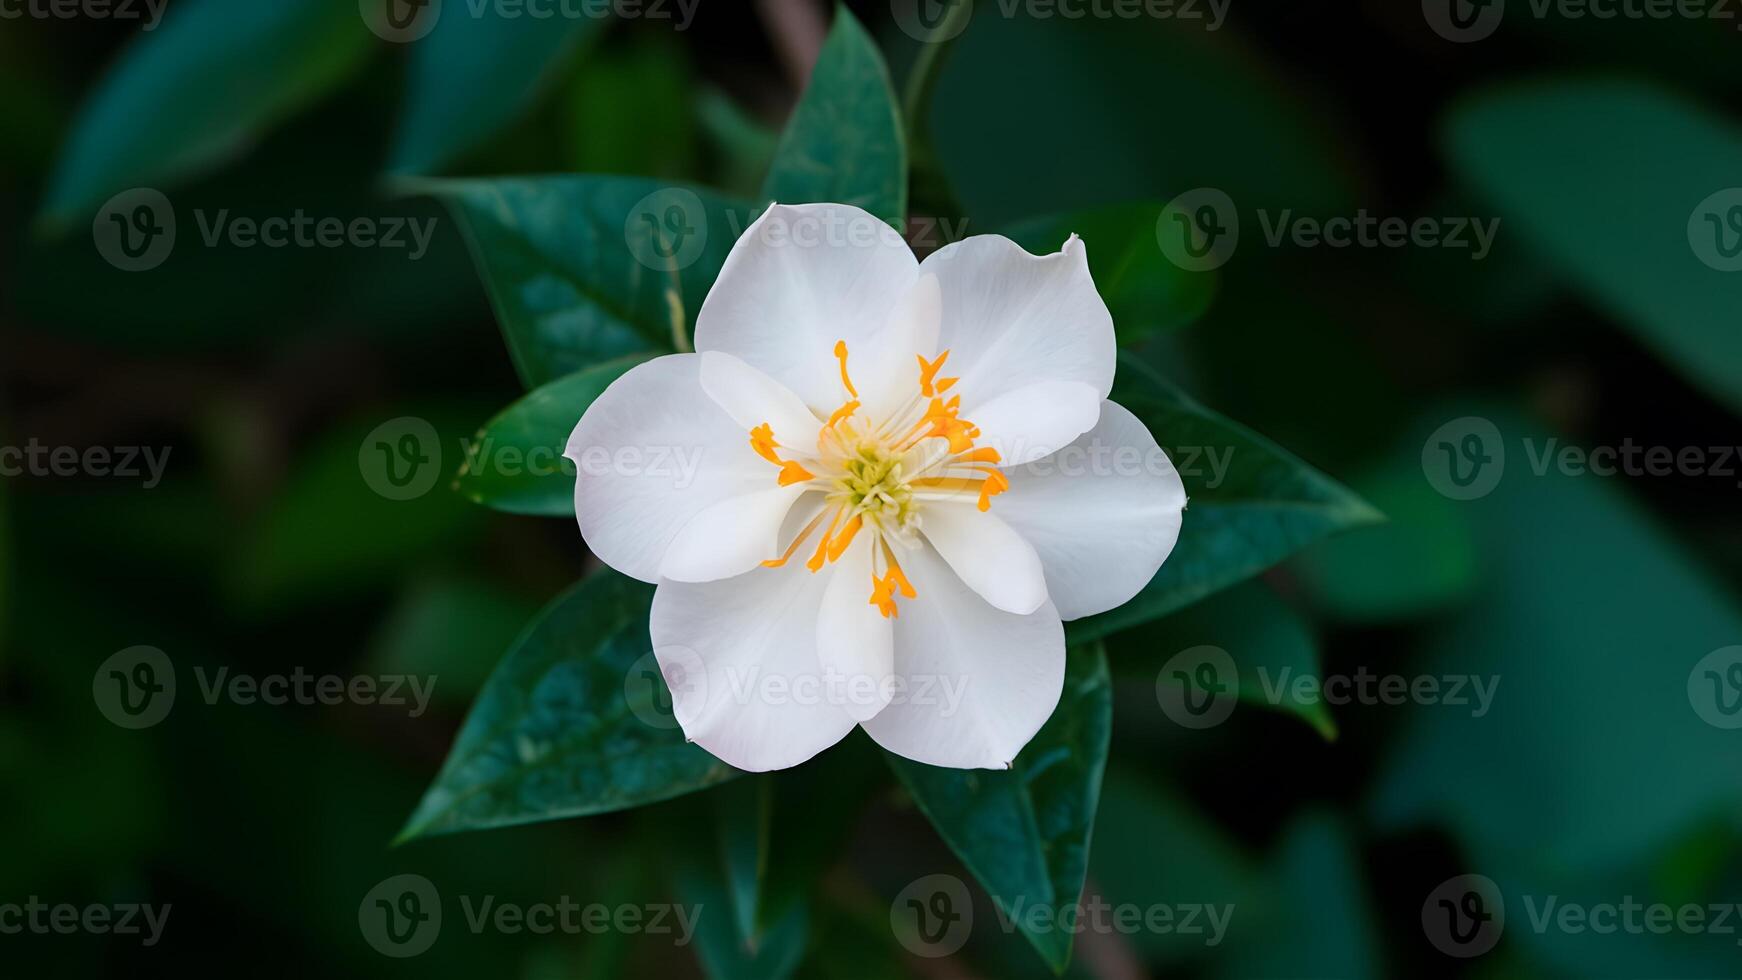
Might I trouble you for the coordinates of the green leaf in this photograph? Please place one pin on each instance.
(1018, 139)
(1145, 292)
(724, 951)
(515, 463)
(1591, 623)
(473, 74)
(1252, 503)
(1270, 643)
(1421, 561)
(743, 818)
(844, 142)
(555, 733)
(585, 269)
(1315, 919)
(198, 88)
(441, 626)
(1603, 178)
(1156, 848)
(1024, 832)
(630, 109)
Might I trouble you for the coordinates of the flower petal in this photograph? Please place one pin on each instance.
(730, 537)
(1011, 319)
(1036, 420)
(987, 554)
(1103, 513)
(801, 278)
(758, 703)
(856, 642)
(886, 372)
(651, 453)
(975, 683)
(752, 398)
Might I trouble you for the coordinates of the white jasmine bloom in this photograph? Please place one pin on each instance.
(876, 490)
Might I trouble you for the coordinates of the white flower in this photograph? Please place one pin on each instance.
(876, 491)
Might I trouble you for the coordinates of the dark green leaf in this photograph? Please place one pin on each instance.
(472, 74)
(743, 818)
(1144, 290)
(515, 463)
(199, 87)
(1270, 643)
(1024, 832)
(1613, 183)
(630, 109)
(1591, 626)
(584, 269)
(844, 143)
(1252, 503)
(1422, 560)
(725, 952)
(560, 732)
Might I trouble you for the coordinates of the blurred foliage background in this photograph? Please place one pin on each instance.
(263, 549)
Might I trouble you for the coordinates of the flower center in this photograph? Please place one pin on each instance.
(875, 474)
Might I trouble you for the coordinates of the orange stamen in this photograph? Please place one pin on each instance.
(838, 547)
(996, 483)
(816, 561)
(840, 413)
(762, 440)
(796, 542)
(791, 472)
(929, 370)
(841, 354)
